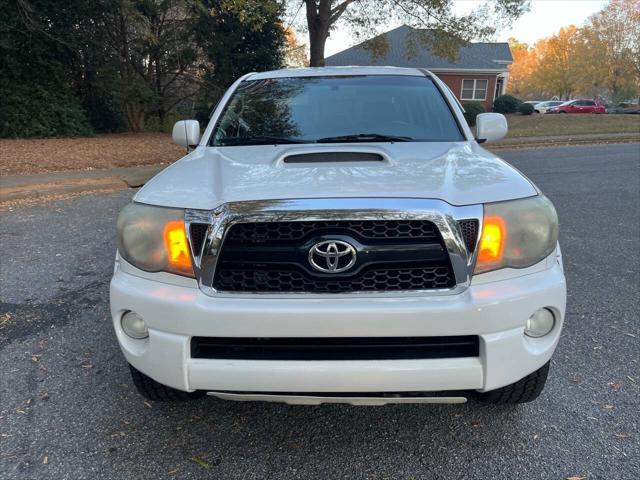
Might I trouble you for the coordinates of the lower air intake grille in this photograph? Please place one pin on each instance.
(339, 348)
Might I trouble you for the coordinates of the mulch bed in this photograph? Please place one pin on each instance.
(38, 155)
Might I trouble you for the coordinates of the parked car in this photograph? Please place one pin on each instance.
(339, 235)
(578, 106)
(543, 107)
(533, 102)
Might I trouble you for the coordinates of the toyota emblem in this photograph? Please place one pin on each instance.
(332, 256)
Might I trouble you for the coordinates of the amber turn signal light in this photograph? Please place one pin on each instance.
(492, 240)
(175, 240)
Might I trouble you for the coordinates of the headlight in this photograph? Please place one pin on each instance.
(517, 234)
(154, 239)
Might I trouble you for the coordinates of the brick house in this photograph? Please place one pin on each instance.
(480, 72)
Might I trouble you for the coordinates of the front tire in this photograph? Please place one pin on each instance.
(152, 390)
(525, 390)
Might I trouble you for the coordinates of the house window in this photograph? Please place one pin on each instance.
(474, 89)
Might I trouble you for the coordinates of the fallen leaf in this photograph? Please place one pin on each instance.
(118, 434)
(621, 434)
(200, 462)
(476, 424)
(147, 404)
(615, 386)
(45, 460)
(173, 472)
(608, 407)
(577, 477)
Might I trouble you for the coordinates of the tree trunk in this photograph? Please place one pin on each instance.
(318, 23)
(317, 40)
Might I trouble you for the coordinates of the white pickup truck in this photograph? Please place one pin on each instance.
(339, 235)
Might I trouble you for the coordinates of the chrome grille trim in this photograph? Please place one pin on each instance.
(442, 214)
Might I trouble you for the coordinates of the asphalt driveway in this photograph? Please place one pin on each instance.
(69, 411)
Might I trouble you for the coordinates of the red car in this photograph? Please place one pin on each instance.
(578, 106)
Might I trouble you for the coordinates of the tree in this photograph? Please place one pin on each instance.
(611, 41)
(522, 68)
(236, 37)
(558, 65)
(447, 30)
(151, 58)
(38, 65)
(64, 65)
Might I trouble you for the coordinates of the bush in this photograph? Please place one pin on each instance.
(34, 111)
(471, 110)
(526, 109)
(506, 104)
(104, 112)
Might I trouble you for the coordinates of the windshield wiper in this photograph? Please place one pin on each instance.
(259, 140)
(365, 137)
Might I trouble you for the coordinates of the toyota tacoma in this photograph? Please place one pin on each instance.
(339, 235)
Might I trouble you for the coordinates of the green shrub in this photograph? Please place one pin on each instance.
(506, 104)
(34, 111)
(104, 112)
(526, 109)
(471, 110)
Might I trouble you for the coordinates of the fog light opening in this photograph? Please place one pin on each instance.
(134, 326)
(540, 323)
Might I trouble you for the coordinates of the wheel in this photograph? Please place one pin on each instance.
(525, 390)
(152, 390)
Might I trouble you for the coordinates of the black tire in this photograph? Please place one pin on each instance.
(152, 390)
(525, 390)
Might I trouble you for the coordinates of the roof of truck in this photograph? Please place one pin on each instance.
(335, 71)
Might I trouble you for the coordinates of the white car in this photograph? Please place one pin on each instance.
(543, 107)
(339, 235)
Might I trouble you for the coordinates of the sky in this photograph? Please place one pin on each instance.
(544, 19)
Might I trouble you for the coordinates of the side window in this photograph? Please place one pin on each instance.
(589, 103)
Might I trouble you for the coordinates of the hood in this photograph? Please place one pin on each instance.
(459, 173)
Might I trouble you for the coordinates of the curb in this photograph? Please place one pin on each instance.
(60, 183)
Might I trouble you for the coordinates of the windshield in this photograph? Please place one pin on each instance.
(345, 109)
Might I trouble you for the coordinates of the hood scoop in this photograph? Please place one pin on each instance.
(333, 157)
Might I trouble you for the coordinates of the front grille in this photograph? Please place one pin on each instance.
(374, 280)
(281, 232)
(335, 348)
(393, 255)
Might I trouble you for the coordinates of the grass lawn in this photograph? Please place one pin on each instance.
(37, 155)
(571, 124)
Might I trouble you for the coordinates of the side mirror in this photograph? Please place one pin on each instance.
(186, 133)
(490, 127)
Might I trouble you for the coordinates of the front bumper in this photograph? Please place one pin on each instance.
(496, 311)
